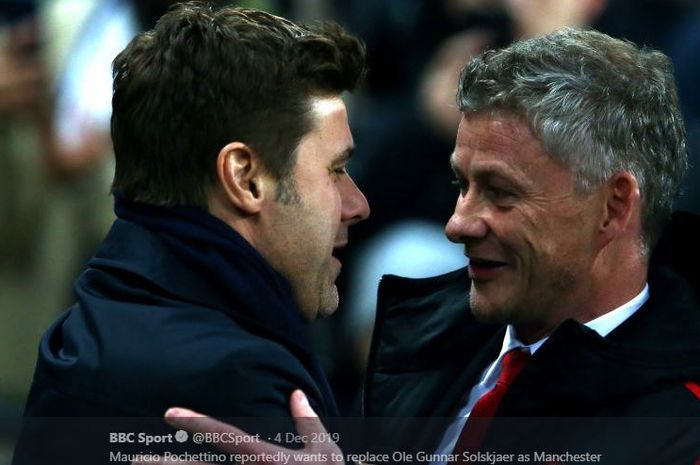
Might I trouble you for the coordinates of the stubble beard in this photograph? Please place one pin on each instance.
(328, 297)
(541, 312)
(486, 312)
(330, 302)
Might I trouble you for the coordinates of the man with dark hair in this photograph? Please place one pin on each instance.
(232, 196)
(569, 154)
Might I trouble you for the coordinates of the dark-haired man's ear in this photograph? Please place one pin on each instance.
(242, 177)
(622, 205)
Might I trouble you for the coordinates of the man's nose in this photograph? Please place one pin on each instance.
(354, 203)
(468, 220)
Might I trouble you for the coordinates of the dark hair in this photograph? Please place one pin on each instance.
(203, 78)
(599, 105)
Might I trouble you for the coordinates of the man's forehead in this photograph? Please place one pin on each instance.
(484, 167)
(497, 144)
(330, 134)
(495, 135)
(494, 131)
(326, 106)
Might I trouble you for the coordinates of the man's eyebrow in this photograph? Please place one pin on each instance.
(500, 172)
(453, 164)
(345, 155)
(486, 172)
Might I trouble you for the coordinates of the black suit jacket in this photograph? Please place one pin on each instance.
(635, 390)
(148, 332)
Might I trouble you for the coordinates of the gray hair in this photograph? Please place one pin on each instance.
(599, 105)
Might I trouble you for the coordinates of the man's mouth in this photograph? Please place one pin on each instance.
(485, 263)
(339, 251)
(483, 268)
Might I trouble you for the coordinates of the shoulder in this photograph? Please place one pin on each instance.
(142, 360)
(422, 321)
(672, 400)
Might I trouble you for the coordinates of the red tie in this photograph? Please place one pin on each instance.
(473, 433)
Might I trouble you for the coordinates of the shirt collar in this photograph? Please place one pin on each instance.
(603, 325)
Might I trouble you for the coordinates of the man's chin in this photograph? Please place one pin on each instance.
(486, 310)
(329, 302)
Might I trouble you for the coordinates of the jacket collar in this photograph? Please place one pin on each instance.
(659, 346)
(251, 298)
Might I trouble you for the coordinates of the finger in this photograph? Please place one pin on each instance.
(236, 440)
(305, 419)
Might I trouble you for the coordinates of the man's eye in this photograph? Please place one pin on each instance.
(462, 185)
(499, 194)
(338, 172)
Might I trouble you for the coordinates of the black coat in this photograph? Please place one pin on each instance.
(428, 351)
(149, 332)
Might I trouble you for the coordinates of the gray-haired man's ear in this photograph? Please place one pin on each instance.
(622, 205)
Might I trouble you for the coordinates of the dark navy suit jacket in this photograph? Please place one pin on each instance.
(149, 332)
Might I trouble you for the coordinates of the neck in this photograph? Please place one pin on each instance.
(239, 223)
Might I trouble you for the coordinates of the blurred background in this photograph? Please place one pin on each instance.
(56, 164)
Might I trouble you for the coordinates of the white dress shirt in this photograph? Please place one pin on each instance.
(602, 325)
